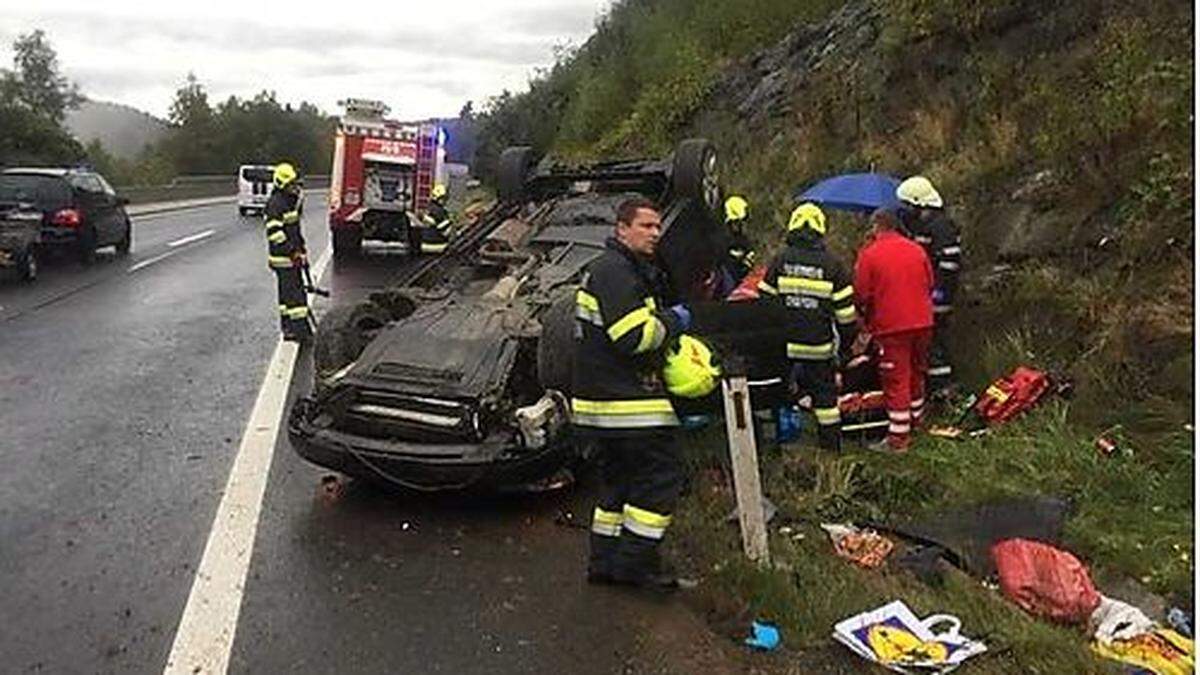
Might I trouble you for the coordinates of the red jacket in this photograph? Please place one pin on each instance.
(893, 285)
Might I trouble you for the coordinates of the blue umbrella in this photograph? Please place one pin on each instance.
(854, 192)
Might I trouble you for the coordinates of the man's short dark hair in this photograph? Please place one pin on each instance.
(628, 209)
(884, 219)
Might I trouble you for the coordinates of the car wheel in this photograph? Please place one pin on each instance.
(347, 243)
(512, 172)
(556, 346)
(694, 172)
(342, 334)
(86, 246)
(126, 243)
(243, 211)
(27, 265)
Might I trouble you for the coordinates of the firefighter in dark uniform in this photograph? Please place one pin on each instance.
(623, 331)
(923, 215)
(740, 251)
(819, 293)
(435, 230)
(286, 252)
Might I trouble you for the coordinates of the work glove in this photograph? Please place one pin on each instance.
(939, 296)
(683, 316)
(299, 256)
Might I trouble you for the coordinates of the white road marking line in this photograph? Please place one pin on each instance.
(204, 640)
(190, 238)
(150, 261)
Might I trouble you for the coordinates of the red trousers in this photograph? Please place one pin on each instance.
(903, 361)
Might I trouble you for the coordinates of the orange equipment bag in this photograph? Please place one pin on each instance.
(1012, 395)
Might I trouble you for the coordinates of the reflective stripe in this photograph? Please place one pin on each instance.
(864, 426)
(587, 301)
(629, 322)
(606, 523)
(827, 416)
(433, 248)
(442, 225)
(894, 428)
(277, 237)
(942, 309)
(296, 312)
(899, 415)
(645, 523)
(922, 239)
(586, 316)
(809, 352)
(952, 250)
(653, 335)
(767, 288)
(843, 294)
(273, 223)
(947, 265)
(629, 414)
(846, 314)
(279, 261)
(940, 371)
(291, 217)
(800, 285)
(283, 309)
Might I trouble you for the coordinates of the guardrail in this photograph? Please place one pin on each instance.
(196, 187)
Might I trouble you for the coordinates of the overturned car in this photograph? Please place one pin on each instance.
(460, 376)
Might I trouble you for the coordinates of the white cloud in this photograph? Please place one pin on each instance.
(423, 58)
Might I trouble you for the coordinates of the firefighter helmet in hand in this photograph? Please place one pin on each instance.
(807, 215)
(918, 191)
(284, 175)
(439, 191)
(690, 370)
(736, 208)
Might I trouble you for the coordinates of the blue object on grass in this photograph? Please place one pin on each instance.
(763, 635)
(1178, 620)
(788, 424)
(854, 192)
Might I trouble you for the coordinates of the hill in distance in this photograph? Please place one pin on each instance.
(121, 129)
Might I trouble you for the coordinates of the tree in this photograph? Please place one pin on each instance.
(40, 86)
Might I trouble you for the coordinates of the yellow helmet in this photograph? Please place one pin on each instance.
(918, 191)
(283, 175)
(807, 215)
(689, 371)
(438, 191)
(736, 208)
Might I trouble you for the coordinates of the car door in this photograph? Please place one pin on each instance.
(116, 218)
(98, 207)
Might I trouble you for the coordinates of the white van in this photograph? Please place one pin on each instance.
(254, 186)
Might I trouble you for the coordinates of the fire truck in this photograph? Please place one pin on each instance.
(383, 172)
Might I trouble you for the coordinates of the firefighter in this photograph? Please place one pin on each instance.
(893, 285)
(623, 331)
(740, 252)
(286, 252)
(923, 215)
(435, 230)
(817, 289)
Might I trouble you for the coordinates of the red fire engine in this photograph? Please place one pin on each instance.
(383, 172)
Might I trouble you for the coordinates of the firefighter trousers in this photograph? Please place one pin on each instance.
(903, 360)
(641, 478)
(293, 302)
(941, 371)
(817, 379)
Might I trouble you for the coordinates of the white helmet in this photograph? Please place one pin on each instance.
(918, 191)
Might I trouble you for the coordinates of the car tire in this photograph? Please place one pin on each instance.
(556, 346)
(27, 265)
(694, 173)
(342, 334)
(512, 171)
(126, 244)
(347, 243)
(85, 246)
(243, 211)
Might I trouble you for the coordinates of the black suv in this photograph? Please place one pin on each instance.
(80, 210)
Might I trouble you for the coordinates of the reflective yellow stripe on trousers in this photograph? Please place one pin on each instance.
(628, 414)
(606, 523)
(645, 523)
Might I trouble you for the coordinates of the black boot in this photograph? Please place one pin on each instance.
(830, 437)
(601, 560)
(638, 563)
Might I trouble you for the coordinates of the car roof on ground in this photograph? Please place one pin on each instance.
(39, 171)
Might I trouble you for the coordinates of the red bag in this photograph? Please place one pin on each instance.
(1012, 395)
(1045, 581)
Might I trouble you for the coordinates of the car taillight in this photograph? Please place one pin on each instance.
(66, 218)
(352, 197)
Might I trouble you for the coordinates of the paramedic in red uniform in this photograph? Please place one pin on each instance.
(893, 284)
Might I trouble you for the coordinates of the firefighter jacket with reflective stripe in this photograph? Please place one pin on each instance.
(893, 285)
(816, 288)
(940, 238)
(622, 330)
(437, 216)
(282, 215)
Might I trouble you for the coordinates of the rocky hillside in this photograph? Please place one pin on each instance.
(123, 131)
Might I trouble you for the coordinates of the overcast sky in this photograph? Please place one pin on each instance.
(425, 59)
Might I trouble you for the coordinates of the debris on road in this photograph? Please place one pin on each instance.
(863, 547)
(764, 636)
(1161, 651)
(895, 638)
(1045, 581)
(332, 489)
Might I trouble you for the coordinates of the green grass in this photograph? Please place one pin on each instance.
(1132, 517)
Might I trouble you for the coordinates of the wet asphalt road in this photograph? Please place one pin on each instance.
(124, 391)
